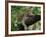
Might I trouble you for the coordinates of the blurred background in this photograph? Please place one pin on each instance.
(18, 14)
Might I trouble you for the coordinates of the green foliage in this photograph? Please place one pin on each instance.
(36, 10)
(17, 13)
